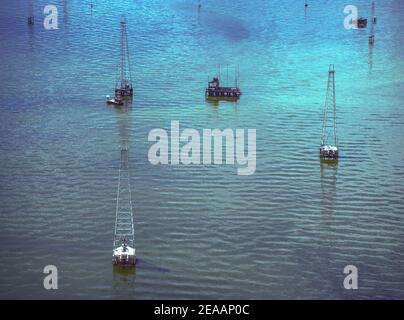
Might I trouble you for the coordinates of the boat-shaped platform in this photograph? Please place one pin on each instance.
(124, 256)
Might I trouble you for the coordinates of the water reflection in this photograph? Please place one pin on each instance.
(328, 184)
(123, 122)
(215, 102)
(305, 10)
(370, 58)
(31, 34)
(31, 37)
(123, 277)
(65, 12)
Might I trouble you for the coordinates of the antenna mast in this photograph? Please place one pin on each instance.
(124, 229)
(124, 83)
(330, 104)
(372, 26)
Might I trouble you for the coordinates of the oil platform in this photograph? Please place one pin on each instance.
(124, 252)
(123, 86)
(361, 22)
(215, 91)
(329, 145)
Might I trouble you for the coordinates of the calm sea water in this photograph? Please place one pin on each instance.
(287, 231)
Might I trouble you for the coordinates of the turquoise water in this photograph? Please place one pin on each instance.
(287, 231)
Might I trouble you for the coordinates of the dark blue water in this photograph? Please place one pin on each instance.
(286, 231)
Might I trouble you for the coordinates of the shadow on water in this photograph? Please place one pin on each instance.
(228, 27)
(141, 264)
(217, 24)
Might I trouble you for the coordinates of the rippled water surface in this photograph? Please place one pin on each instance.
(286, 231)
